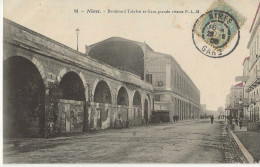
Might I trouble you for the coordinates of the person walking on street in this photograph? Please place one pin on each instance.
(240, 123)
(236, 120)
(212, 118)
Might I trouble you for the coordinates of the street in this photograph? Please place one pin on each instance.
(182, 142)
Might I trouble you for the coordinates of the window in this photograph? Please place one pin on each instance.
(160, 83)
(149, 78)
(157, 98)
(159, 79)
(156, 66)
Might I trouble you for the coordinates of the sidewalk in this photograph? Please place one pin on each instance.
(250, 140)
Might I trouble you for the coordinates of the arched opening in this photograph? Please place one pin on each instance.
(146, 110)
(72, 104)
(102, 93)
(137, 99)
(72, 87)
(24, 99)
(122, 97)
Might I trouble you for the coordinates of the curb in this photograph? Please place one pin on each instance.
(247, 155)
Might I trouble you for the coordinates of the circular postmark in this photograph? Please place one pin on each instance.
(216, 34)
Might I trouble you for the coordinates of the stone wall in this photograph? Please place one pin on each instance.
(53, 60)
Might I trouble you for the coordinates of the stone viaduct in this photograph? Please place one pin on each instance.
(51, 89)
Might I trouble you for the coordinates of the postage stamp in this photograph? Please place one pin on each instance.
(216, 33)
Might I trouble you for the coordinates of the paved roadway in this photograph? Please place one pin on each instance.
(181, 142)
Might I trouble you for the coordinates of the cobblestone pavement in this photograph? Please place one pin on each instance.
(182, 142)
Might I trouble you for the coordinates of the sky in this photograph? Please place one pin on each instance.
(165, 33)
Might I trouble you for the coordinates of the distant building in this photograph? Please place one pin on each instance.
(232, 100)
(220, 111)
(203, 107)
(205, 113)
(227, 103)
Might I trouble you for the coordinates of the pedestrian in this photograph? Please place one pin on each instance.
(236, 120)
(240, 123)
(51, 128)
(173, 118)
(212, 118)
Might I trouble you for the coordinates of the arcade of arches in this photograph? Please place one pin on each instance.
(25, 103)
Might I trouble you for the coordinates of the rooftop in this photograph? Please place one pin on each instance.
(239, 84)
(245, 59)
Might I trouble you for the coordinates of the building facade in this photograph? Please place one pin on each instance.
(173, 89)
(245, 101)
(233, 100)
(252, 86)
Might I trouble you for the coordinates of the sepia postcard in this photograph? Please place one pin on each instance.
(131, 82)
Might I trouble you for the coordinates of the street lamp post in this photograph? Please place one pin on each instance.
(240, 108)
(77, 32)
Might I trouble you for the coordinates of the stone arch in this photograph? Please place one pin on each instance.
(63, 71)
(72, 86)
(38, 64)
(95, 85)
(24, 102)
(33, 60)
(122, 96)
(102, 93)
(146, 107)
(137, 101)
